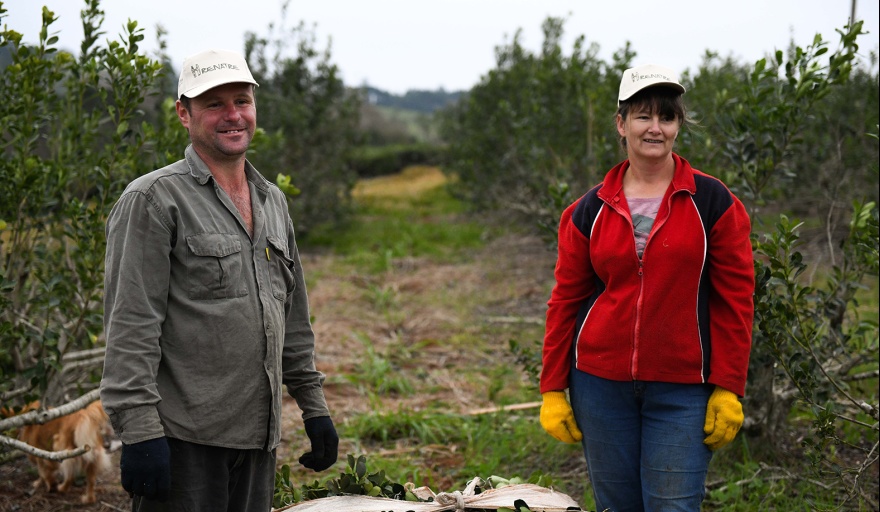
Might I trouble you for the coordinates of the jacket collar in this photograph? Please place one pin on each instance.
(683, 179)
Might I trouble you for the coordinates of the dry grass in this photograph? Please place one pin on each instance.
(411, 183)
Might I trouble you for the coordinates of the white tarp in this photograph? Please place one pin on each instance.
(539, 499)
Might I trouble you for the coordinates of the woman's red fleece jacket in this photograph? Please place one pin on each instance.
(682, 313)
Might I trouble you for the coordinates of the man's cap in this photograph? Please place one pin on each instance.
(209, 69)
(648, 75)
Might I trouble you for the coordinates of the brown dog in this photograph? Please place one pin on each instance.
(85, 427)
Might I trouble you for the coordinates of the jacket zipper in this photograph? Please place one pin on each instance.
(634, 366)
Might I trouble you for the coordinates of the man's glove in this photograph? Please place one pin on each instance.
(724, 417)
(557, 418)
(325, 443)
(146, 469)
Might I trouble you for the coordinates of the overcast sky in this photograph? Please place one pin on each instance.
(397, 45)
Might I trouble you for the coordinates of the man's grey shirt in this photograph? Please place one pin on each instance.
(204, 323)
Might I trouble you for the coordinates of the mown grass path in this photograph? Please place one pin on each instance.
(415, 304)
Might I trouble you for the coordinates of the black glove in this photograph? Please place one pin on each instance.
(325, 444)
(146, 469)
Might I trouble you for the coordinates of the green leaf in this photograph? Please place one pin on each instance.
(361, 467)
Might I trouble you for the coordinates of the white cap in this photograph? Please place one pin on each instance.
(648, 75)
(209, 69)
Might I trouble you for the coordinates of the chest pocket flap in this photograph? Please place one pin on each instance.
(280, 246)
(217, 245)
(281, 269)
(214, 266)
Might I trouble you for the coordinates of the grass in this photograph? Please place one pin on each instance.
(746, 478)
(378, 373)
(409, 215)
(451, 449)
(419, 426)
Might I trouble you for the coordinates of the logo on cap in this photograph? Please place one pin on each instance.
(636, 77)
(198, 71)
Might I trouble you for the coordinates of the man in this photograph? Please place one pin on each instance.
(206, 314)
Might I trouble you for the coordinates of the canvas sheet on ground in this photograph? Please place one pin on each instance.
(539, 499)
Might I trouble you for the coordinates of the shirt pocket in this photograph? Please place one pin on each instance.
(282, 271)
(214, 266)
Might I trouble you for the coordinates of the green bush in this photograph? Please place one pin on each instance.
(310, 119)
(74, 133)
(372, 161)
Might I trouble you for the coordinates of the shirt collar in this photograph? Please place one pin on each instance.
(199, 170)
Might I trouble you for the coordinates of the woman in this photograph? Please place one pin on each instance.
(649, 322)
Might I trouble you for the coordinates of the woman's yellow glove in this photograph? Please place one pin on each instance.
(557, 418)
(724, 417)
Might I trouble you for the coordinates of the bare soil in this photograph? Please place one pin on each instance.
(418, 303)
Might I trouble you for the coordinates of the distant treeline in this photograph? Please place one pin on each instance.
(417, 100)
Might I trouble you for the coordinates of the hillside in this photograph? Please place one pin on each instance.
(417, 100)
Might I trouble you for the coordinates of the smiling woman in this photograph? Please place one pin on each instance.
(649, 323)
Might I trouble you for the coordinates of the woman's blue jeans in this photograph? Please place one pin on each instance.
(643, 442)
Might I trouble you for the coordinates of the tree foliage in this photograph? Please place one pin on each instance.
(73, 134)
(535, 127)
(311, 120)
(813, 344)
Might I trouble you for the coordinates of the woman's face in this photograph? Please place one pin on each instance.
(648, 135)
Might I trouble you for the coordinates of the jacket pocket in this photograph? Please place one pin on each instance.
(282, 271)
(214, 266)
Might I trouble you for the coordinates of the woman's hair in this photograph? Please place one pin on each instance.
(664, 101)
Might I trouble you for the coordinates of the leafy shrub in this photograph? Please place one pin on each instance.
(74, 133)
(372, 161)
(310, 119)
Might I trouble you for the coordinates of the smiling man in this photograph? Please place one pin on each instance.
(206, 314)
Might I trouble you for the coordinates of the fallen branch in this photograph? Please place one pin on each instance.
(501, 408)
(42, 416)
(77, 364)
(786, 475)
(43, 454)
(84, 354)
(872, 374)
(869, 461)
(515, 320)
(13, 393)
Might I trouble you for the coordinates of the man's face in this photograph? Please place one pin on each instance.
(221, 121)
